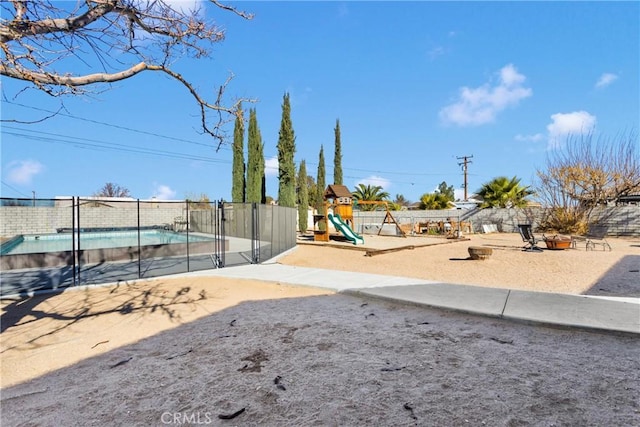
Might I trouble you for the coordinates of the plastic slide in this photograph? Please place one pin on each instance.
(346, 231)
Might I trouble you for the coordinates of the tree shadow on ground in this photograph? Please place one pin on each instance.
(621, 280)
(24, 309)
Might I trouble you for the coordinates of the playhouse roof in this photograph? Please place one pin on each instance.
(334, 190)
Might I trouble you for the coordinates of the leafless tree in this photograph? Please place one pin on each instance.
(57, 46)
(587, 172)
(113, 190)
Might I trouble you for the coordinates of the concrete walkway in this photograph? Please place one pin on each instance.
(578, 311)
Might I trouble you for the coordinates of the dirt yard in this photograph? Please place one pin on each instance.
(212, 351)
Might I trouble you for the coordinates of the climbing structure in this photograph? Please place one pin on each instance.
(340, 200)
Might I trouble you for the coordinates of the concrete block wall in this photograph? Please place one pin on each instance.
(43, 220)
(620, 220)
(32, 220)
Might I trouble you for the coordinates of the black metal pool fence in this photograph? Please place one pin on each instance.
(89, 249)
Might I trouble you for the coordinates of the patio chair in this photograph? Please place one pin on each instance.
(596, 235)
(526, 233)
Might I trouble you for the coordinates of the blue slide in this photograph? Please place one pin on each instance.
(344, 228)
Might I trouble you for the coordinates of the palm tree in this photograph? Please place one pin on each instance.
(502, 192)
(369, 193)
(435, 201)
(401, 200)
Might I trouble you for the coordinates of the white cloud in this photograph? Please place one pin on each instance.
(271, 166)
(22, 171)
(606, 79)
(478, 106)
(577, 122)
(376, 180)
(529, 138)
(163, 192)
(565, 124)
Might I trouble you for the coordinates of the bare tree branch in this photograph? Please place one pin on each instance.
(122, 37)
(584, 173)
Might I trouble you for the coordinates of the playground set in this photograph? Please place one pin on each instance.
(340, 200)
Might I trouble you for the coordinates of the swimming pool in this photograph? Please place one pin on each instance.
(43, 243)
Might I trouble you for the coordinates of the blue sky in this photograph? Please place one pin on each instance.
(415, 85)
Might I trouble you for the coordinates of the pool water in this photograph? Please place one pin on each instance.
(95, 240)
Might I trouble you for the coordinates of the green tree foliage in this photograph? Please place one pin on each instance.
(337, 156)
(303, 198)
(286, 152)
(369, 193)
(255, 162)
(502, 192)
(321, 182)
(320, 187)
(448, 191)
(435, 201)
(238, 176)
(401, 201)
(312, 190)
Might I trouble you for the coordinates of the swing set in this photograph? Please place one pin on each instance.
(388, 218)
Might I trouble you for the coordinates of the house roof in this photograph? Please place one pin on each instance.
(631, 197)
(335, 190)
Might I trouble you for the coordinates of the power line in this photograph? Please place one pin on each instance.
(103, 145)
(143, 132)
(14, 189)
(111, 125)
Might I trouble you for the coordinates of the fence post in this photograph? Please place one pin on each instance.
(187, 215)
(255, 234)
(139, 249)
(78, 252)
(221, 224)
(73, 238)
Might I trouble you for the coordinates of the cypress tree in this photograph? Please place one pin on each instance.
(261, 166)
(286, 151)
(238, 178)
(303, 198)
(337, 157)
(320, 183)
(255, 162)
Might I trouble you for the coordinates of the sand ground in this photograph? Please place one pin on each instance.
(575, 271)
(189, 351)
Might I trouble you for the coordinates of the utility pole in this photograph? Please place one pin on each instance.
(464, 163)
